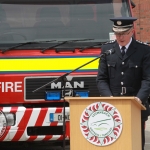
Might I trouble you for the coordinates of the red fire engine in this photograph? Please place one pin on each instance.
(40, 40)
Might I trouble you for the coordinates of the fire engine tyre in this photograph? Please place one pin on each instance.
(13, 33)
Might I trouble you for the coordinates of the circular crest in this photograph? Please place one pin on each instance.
(101, 123)
(119, 23)
(3, 123)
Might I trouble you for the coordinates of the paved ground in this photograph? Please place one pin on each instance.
(147, 135)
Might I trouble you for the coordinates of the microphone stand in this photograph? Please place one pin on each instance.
(63, 79)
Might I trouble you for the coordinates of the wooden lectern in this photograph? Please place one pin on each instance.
(130, 111)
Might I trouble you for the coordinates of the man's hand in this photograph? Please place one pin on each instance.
(137, 99)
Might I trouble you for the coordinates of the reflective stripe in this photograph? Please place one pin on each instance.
(46, 64)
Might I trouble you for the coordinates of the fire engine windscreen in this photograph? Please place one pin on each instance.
(29, 20)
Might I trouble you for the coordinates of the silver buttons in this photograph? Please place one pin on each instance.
(121, 83)
(136, 66)
(122, 73)
(122, 63)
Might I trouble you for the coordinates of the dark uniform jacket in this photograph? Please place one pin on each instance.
(128, 75)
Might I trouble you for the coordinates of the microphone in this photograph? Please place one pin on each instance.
(109, 52)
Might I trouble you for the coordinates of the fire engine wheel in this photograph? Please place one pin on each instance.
(13, 34)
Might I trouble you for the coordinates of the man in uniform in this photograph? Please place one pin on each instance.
(127, 71)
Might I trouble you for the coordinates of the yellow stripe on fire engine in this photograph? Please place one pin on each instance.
(46, 64)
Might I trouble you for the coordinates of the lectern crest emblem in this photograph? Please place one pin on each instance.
(101, 123)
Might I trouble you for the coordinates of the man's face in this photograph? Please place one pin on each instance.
(123, 38)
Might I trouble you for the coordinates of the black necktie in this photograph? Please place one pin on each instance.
(123, 50)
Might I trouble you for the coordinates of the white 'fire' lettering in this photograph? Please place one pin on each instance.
(11, 86)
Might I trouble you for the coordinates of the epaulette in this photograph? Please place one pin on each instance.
(141, 42)
(110, 42)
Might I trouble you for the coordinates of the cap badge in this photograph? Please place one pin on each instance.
(119, 22)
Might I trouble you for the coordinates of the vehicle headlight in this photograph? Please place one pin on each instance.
(10, 119)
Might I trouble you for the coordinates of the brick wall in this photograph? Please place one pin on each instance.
(142, 12)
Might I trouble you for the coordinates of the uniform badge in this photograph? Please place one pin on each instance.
(119, 22)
